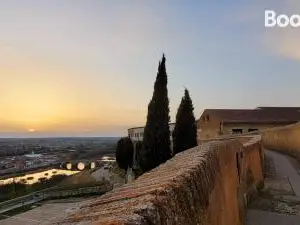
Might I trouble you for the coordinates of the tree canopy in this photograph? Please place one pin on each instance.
(185, 131)
(124, 153)
(156, 142)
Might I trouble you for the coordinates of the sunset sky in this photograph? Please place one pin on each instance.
(87, 67)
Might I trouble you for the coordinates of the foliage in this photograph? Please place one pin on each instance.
(124, 153)
(11, 190)
(17, 189)
(156, 142)
(138, 149)
(117, 170)
(185, 131)
(137, 169)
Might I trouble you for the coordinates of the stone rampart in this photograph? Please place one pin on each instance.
(284, 139)
(208, 184)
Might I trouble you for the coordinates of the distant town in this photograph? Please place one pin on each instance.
(20, 155)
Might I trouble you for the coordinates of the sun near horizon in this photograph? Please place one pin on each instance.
(88, 67)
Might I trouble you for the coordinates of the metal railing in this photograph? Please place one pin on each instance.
(48, 194)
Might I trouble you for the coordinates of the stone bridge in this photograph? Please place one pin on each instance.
(215, 183)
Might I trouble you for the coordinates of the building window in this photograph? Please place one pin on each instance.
(252, 129)
(207, 118)
(237, 131)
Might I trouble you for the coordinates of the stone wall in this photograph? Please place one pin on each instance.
(204, 185)
(284, 139)
(227, 127)
(207, 129)
(252, 162)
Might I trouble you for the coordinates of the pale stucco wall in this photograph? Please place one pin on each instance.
(215, 128)
(208, 128)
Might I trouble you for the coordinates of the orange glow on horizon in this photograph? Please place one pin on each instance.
(36, 98)
(41, 105)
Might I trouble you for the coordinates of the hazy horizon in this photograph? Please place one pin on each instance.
(25, 135)
(20, 136)
(86, 68)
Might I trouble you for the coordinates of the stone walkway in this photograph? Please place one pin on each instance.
(285, 169)
(258, 217)
(279, 201)
(43, 215)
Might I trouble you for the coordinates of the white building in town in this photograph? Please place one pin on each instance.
(137, 133)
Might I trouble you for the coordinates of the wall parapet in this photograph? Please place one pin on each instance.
(203, 185)
(284, 139)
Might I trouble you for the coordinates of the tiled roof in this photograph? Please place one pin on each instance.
(258, 115)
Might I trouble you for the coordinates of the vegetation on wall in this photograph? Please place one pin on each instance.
(124, 153)
(185, 131)
(156, 142)
(137, 168)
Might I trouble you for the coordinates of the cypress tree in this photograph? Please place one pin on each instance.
(124, 153)
(156, 142)
(185, 130)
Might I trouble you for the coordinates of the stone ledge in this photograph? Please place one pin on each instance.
(184, 190)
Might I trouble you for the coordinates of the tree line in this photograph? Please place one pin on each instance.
(156, 145)
(17, 189)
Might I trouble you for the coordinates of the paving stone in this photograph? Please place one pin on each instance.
(257, 217)
(279, 203)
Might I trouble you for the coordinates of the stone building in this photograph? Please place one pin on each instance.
(216, 122)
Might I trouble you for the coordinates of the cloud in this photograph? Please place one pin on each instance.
(284, 42)
(279, 42)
